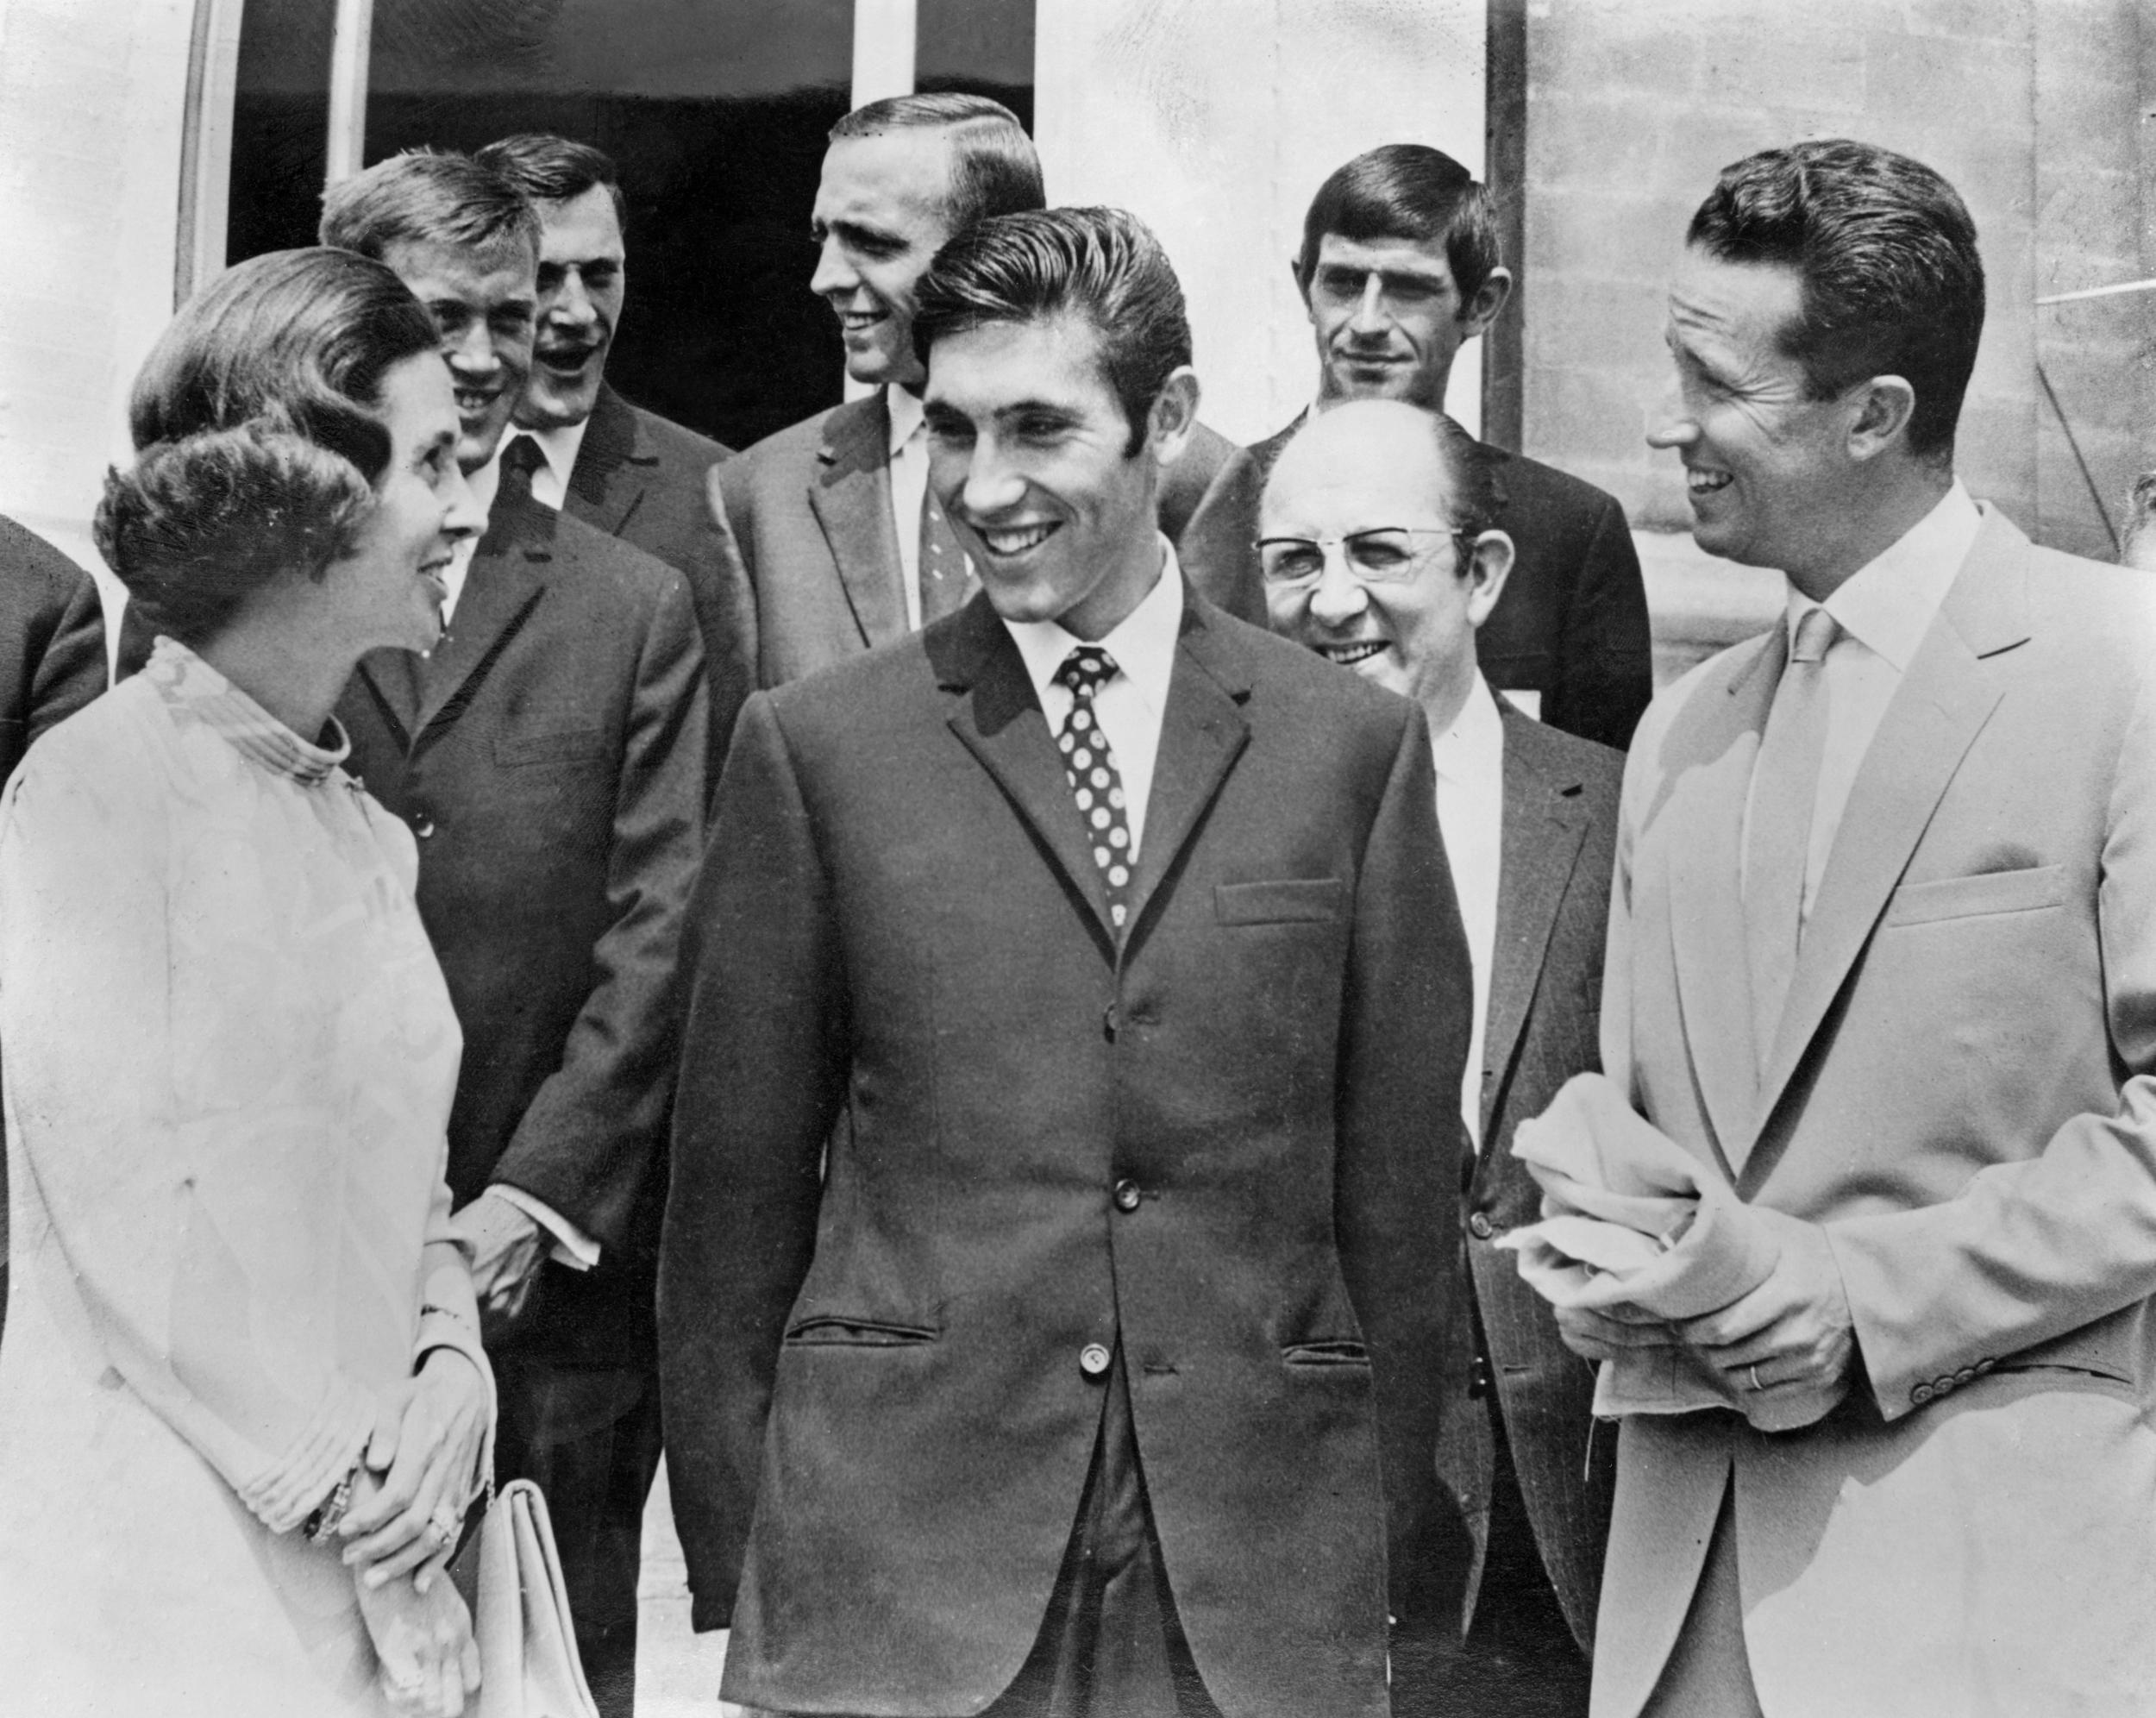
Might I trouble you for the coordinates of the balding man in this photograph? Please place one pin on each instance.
(1378, 553)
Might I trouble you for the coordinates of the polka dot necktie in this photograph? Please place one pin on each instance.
(1089, 766)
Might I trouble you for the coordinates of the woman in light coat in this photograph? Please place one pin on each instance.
(243, 1399)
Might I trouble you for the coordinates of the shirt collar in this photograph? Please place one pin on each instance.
(197, 691)
(1888, 605)
(904, 409)
(1142, 642)
(1472, 750)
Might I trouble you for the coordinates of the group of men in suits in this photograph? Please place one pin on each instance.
(1027, 1090)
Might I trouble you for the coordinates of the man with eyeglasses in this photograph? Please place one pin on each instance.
(1399, 269)
(1377, 552)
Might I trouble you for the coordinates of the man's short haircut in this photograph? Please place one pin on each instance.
(259, 434)
(995, 169)
(1885, 255)
(1100, 264)
(551, 169)
(1410, 191)
(427, 196)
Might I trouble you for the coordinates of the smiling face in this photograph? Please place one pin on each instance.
(1390, 319)
(388, 589)
(1374, 466)
(482, 302)
(582, 280)
(1767, 467)
(881, 214)
(1027, 455)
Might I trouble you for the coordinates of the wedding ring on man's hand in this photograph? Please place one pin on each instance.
(1754, 1369)
(445, 1521)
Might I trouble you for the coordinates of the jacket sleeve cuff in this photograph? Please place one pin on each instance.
(572, 1246)
(323, 1454)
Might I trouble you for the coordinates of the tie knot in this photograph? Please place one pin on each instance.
(1085, 669)
(1816, 635)
(522, 457)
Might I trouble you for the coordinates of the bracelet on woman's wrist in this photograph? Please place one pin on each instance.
(323, 1522)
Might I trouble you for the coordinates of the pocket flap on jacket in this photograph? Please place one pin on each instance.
(549, 745)
(1291, 900)
(1968, 897)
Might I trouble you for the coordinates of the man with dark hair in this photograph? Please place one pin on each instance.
(1378, 553)
(1079, 1368)
(625, 471)
(549, 756)
(1881, 964)
(843, 544)
(1399, 269)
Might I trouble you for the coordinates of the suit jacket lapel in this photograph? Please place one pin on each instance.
(607, 483)
(1202, 733)
(1943, 702)
(851, 495)
(508, 575)
(1704, 821)
(999, 720)
(1539, 847)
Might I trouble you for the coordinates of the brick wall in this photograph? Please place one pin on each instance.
(2037, 110)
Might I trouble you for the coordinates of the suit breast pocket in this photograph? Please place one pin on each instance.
(1291, 900)
(549, 745)
(1990, 894)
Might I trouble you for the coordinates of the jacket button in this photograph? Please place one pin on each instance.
(1127, 1196)
(1111, 1019)
(1480, 1227)
(422, 825)
(1093, 1359)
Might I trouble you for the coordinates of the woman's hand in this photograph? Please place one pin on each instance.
(426, 1448)
(426, 1659)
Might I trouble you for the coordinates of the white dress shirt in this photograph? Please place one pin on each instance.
(1471, 764)
(486, 484)
(561, 445)
(1130, 704)
(1884, 609)
(909, 490)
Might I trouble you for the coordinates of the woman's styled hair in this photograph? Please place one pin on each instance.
(257, 438)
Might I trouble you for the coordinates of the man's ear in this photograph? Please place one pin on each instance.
(1489, 299)
(1302, 286)
(1883, 408)
(1174, 416)
(1485, 571)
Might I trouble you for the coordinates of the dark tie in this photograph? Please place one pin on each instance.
(520, 459)
(946, 579)
(1089, 767)
(1784, 783)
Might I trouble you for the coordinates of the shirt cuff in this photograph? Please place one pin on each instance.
(572, 1246)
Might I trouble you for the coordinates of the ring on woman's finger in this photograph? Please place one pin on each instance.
(1754, 1369)
(446, 1522)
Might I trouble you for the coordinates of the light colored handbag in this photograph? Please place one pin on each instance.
(510, 1574)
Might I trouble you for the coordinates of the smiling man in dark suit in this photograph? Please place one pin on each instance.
(622, 469)
(549, 757)
(1092, 1369)
(1379, 554)
(1399, 269)
(843, 544)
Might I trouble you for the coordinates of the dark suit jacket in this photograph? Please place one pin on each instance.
(52, 663)
(900, 921)
(1571, 626)
(51, 640)
(807, 513)
(1558, 849)
(640, 477)
(549, 757)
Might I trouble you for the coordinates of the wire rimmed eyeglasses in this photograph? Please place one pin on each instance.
(1385, 554)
